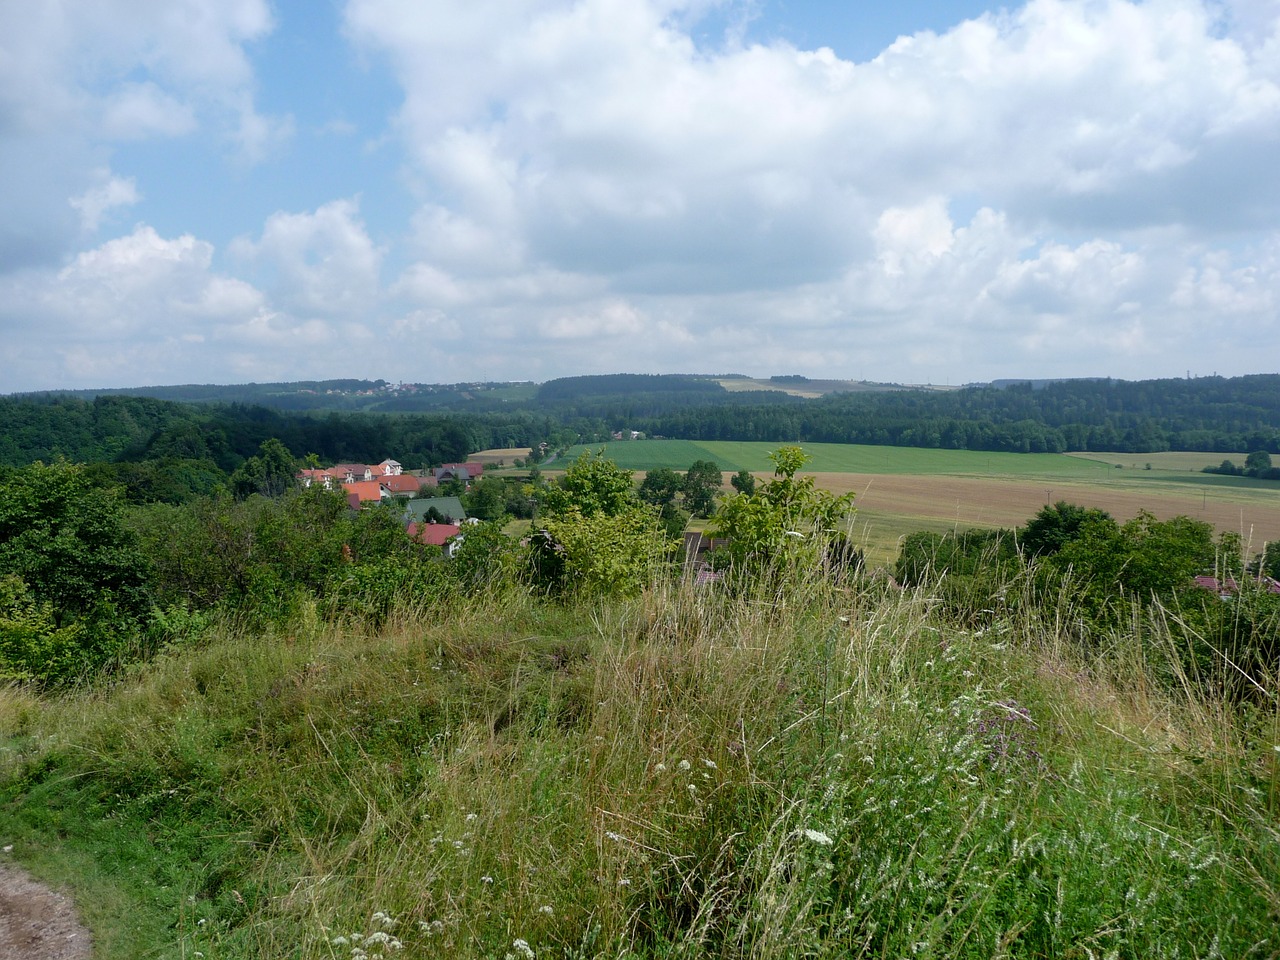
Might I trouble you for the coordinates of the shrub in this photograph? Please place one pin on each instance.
(785, 525)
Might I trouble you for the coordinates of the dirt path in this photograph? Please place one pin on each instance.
(36, 923)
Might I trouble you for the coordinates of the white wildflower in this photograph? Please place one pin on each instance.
(486, 879)
(683, 766)
(383, 919)
(709, 764)
(470, 817)
(522, 948)
(339, 941)
(662, 767)
(546, 909)
(817, 836)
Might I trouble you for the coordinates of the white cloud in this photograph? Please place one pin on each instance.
(785, 194)
(135, 111)
(610, 320)
(323, 263)
(108, 194)
(79, 76)
(148, 309)
(1063, 187)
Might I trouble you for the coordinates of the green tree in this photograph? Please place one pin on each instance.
(593, 534)
(1054, 527)
(744, 481)
(1146, 559)
(1268, 562)
(66, 540)
(593, 484)
(1257, 464)
(76, 589)
(487, 499)
(786, 524)
(701, 484)
(660, 487)
(271, 472)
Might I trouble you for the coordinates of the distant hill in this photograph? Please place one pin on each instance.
(221, 425)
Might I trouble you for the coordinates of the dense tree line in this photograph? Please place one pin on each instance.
(166, 451)
(1209, 414)
(150, 442)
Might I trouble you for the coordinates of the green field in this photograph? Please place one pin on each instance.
(851, 458)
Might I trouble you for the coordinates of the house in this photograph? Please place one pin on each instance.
(1228, 587)
(352, 472)
(367, 491)
(401, 484)
(466, 472)
(344, 473)
(697, 546)
(433, 534)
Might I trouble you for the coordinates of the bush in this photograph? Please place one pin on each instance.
(783, 526)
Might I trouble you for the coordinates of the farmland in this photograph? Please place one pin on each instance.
(904, 489)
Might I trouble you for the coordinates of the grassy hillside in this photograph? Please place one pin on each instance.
(818, 773)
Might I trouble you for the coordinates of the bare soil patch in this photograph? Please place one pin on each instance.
(37, 923)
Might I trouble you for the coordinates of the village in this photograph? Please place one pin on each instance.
(429, 519)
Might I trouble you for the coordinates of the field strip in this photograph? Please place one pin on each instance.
(999, 502)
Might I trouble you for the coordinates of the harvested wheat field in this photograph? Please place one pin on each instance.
(890, 506)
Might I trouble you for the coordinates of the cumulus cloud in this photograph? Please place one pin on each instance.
(321, 263)
(109, 193)
(144, 308)
(79, 76)
(1107, 146)
(1065, 187)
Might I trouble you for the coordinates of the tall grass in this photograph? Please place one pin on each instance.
(811, 772)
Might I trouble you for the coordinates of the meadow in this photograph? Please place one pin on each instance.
(685, 774)
(573, 749)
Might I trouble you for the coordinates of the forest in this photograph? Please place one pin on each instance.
(167, 450)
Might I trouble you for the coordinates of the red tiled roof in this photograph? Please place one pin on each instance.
(433, 534)
(369, 491)
(402, 483)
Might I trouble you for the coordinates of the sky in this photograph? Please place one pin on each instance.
(440, 191)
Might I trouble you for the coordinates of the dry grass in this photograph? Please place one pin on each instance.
(1181, 461)
(499, 455)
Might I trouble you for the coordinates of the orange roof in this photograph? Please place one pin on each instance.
(401, 483)
(433, 534)
(369, 491)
